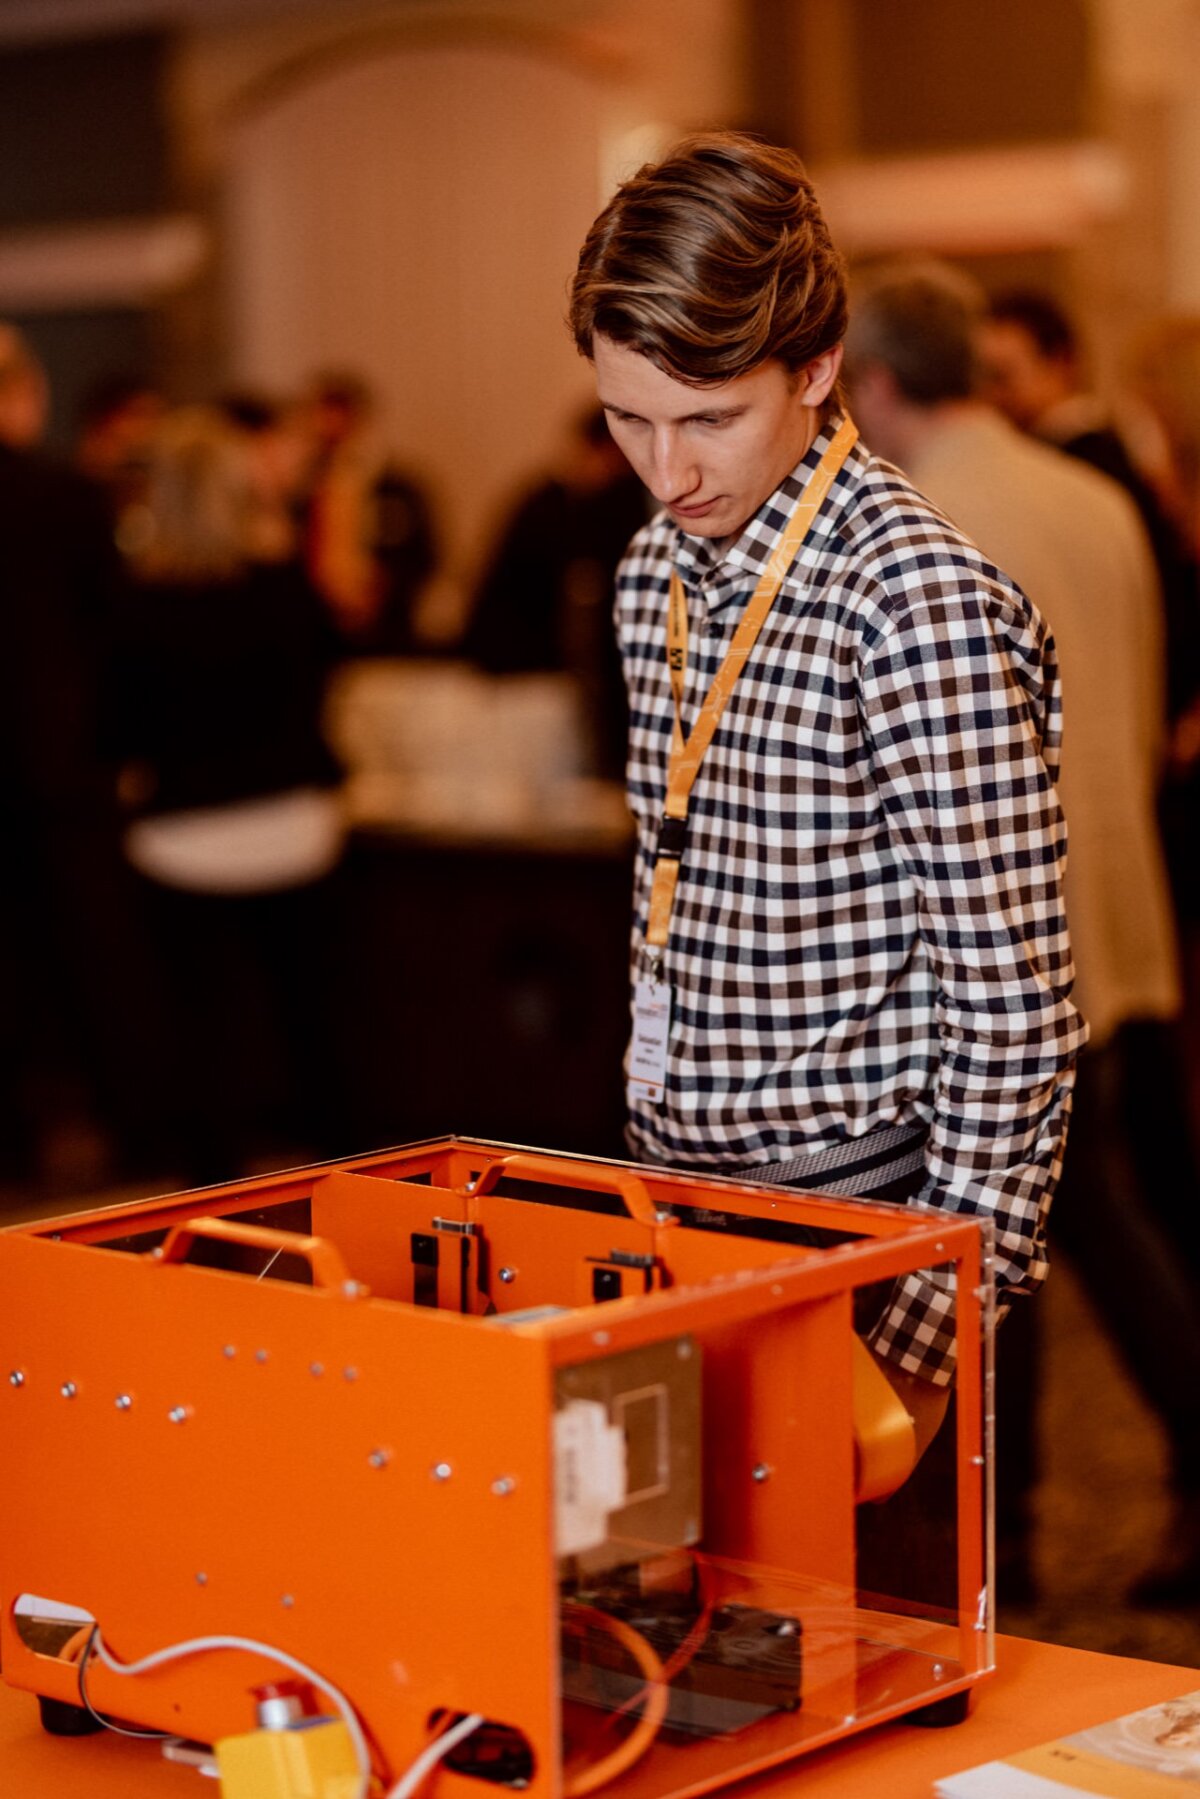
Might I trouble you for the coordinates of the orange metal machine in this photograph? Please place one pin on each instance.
(544, 1473)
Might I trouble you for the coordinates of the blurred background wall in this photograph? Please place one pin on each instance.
(240, 191)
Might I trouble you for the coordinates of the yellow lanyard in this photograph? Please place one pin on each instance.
(687, 754)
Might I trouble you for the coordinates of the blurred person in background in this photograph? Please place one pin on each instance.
(367, 526)
(1073, 540)
(1035, 371)
(237, 830)
(75, 1025)
(1166, 375)
(115, 421)
(544, 602)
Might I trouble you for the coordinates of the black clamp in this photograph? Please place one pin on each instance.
(672, 838)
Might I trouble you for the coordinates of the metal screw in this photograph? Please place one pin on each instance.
(504, 1486)
(850, 1718)
(761, 1471)
(351, 1289)
(683, 1350)
(600, 1338)
(287, 1602)
(16, 1378)
(123, 1402)
(68, 1389)
(349, 1373)
(977, 1461)
(178, 1414)
(202, 1580)
(229, 1352)
(442, 1471)
(663, 1216)
(787, 1627)
(260, 1355)
(379, 1458)
(938, 1671)
(940, 1248)
(508, 1276)
(316, 1369)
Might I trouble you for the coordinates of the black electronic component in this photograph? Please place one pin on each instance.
(744, 1667)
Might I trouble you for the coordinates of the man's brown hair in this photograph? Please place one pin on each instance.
(713, 261)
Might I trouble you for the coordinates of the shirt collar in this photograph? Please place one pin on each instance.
(719, 577)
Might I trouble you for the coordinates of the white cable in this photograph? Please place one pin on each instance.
(408, 1783)
(203, 1645)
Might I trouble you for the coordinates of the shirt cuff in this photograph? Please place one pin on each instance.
(916, 1330)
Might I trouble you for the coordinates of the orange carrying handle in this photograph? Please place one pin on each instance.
(559, 1171)
(323, 1257)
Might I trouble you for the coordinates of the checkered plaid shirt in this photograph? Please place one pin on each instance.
(868, 928)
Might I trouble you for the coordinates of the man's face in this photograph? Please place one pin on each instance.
(1016, 376)
(711, 455)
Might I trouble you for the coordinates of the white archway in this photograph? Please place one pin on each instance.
(416, 215)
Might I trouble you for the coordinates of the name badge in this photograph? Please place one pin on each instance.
(651, 1033)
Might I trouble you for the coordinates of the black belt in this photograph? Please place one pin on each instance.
(853, 1169)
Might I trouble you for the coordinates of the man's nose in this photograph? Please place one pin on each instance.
(673, 472)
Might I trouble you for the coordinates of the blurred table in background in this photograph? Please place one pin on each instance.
(489, 882)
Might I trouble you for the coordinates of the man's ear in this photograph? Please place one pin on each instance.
(820, 375)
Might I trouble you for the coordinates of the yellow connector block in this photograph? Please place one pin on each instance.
(316, 1761)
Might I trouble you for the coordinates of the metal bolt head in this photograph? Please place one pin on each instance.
(68, 1389)
(683, 1349)
(379, 1458)
(350, 1374)
(178, 1414)
(202, 1580)
(229, 1352)
(123, 1402)
(760, 1472)
(663, 1216)
(939, 1673)
(504, 1486)
(316, 1369)
(508, 1276)
(441, 1471)
(17, 1378)
(260, 1355)
(287, 1601)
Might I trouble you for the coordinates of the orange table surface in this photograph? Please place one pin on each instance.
(1039, 1691)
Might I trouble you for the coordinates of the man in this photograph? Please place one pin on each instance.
(1034, 370)
(368, 527)
(1073, 540)
(863, 956)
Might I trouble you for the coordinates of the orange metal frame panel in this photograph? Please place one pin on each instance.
(368, 1483)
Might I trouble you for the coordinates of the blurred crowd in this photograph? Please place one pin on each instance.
(181, 590)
